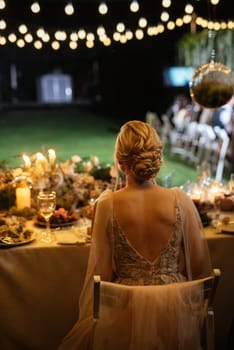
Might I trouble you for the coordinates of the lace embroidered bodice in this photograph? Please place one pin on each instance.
(133, 269)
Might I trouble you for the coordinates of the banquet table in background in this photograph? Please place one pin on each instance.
(40, 287)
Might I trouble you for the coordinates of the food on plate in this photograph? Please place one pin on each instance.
(13, 231)
(61, 216)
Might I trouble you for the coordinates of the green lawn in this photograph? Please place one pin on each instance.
(71, 132)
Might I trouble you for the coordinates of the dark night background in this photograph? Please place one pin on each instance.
(121, 78)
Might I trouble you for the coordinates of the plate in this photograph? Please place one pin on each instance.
(228, 229)
(65, 224)
(16, 244)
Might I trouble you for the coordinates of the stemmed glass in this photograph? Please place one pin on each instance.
(46, 206)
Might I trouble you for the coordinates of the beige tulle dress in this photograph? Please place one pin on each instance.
(114, 258)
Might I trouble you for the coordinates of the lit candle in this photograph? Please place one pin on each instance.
(27, 162)
(23, 197)
(52, 157)
(41, 162)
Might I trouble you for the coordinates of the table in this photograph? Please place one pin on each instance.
(40, 286)
(221, 248)
(39, 290)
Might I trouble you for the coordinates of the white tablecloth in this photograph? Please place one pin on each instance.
(40, 287)
(222, 255)
(39, 290)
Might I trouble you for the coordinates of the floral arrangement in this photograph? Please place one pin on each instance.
(75, 181)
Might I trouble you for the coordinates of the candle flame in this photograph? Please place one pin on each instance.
(51, 152)
(39, 156)
(26, 159)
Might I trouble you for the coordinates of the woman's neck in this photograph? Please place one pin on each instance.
(132, 183)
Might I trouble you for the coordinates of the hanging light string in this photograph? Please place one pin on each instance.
(23, 34)
(211, 4)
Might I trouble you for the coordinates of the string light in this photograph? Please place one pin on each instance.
(23, 29)
(60, 35)
(166, 3)
(90, 37)
(12, 37)
(142, 22)
(81, 33)
(40, 32)
(73, 45)
(171, 25)
(89, 44)
(38, 44)
(3, 40)
(45, 38)
(69, 9)
(35, 7)
(107, 42)
(116, 36)
(3, 24)
(214, 2)
(55, 45)
(129, 34)
(2, 4)
(189, 9)
(74, 36)
(100, 30)
(179, 22)
(20, 43)
(134, 6)
(121, 35)
(28, 38)
(123, 39)
(102, 8)
(139, 34)
(120, 27)
(164, 16)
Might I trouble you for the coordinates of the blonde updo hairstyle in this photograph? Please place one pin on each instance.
(139, 149)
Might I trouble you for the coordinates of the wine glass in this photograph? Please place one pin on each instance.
(46, 206)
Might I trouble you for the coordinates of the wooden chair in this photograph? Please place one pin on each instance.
(112, 333)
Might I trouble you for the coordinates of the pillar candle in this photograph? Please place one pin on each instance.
(23, 197)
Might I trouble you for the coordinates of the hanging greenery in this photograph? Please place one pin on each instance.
(194, 49)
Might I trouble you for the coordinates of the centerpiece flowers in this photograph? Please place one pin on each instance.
(76, 181)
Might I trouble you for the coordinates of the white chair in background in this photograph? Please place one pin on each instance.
(185, 144)
(207, 143)
(166, 129)
(153, 119)
(168, 317)
(223, 141)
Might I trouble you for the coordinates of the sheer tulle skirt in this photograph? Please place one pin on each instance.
(135, 318)
(155, 317)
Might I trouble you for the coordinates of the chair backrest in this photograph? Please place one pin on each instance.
(224, 141)
(153, 317)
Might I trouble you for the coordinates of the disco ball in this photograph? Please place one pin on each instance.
(212, 85)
